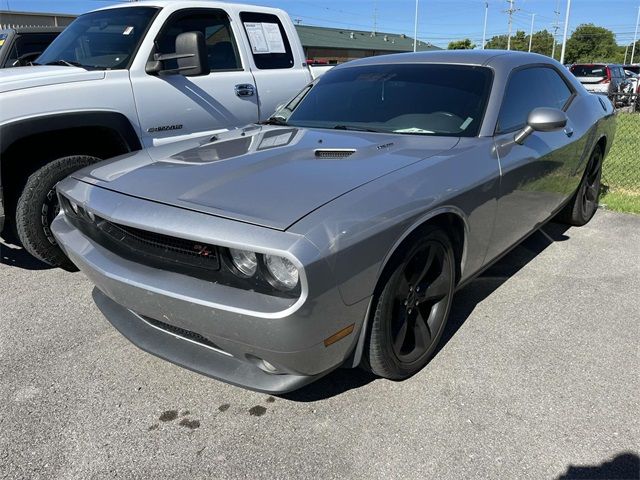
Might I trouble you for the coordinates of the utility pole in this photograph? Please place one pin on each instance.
(533, 16)
(566, 29)
(626, 50)
(635, 37)
(415, 30)
(484, 30)
(510, 11)
(375, 17)
(556, 26)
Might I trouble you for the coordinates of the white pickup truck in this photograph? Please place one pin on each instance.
(133, 76)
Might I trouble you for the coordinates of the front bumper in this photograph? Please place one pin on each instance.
(210, 328)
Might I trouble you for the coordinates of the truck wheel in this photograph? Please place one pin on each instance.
(38, 205)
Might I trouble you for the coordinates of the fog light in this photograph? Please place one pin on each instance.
(269, 367)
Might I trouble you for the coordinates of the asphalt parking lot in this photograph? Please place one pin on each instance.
(538, 377)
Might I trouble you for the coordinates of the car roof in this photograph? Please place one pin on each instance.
(493, 58)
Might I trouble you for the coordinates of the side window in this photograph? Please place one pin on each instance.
(268, 40)
(561, 92)
(222, 49)
(34, 44)
(528, 89)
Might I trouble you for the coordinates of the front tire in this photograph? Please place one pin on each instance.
(413, 306)
(38, 205)
(584, 203)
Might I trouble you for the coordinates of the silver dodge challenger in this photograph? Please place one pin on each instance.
(336, 233)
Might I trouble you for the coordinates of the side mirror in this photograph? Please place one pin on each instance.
(191, 56)
(542, 119)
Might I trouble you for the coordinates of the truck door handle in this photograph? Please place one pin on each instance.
(568, 131)
(245, 90)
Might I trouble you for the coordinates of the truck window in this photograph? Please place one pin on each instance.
(268, 40)
(104, 39)
(222, 49)
(29, 46)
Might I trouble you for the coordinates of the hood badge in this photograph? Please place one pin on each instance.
(385, 145)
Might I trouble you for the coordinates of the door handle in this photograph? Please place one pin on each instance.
(568, 131)
(245, 90)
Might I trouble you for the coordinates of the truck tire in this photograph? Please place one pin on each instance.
(38, 205)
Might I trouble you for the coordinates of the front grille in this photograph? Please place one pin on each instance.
(334, 153)
(186, 251)
(182, 332)
(156, 250)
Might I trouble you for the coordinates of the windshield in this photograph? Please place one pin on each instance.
(423, 99)
(106, 39)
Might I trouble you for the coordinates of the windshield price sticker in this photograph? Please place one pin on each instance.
(264, 37)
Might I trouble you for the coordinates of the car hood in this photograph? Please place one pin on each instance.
(268, 176)
(41, 75)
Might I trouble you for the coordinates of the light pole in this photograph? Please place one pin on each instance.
(566, 29)
(533, 16)
(415, 30)
(635, 37)
(510, 12)
(484, 30)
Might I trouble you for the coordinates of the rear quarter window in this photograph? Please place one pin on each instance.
(268, 40)
(589, 70)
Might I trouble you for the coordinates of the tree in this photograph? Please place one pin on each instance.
(542, 42)
(519, 41)
(589, 43)
(461, 45)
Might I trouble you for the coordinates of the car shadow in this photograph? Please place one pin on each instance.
(464, 302)
(12, 254)
(624, 466)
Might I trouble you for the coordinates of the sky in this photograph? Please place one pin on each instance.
(439, 21)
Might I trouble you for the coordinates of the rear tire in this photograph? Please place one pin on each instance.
(412, 308)
(584, 203)
(38, 205)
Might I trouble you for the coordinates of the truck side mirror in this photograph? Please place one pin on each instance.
(193, 60)
(191, 56)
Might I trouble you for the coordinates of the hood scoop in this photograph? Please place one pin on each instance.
(331, 153)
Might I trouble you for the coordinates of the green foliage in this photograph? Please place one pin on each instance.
(542, 42)
(461, 45)
(589, 43)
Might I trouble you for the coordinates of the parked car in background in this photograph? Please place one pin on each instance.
(337, 235)
(19, 46)
(632, 68)
(131, 76)
(633, 79)
(607, 79)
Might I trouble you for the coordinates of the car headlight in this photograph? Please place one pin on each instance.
(246, 262)
(282, 272)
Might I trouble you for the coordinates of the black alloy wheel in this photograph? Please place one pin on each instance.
(413, 307)
(584, 203)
